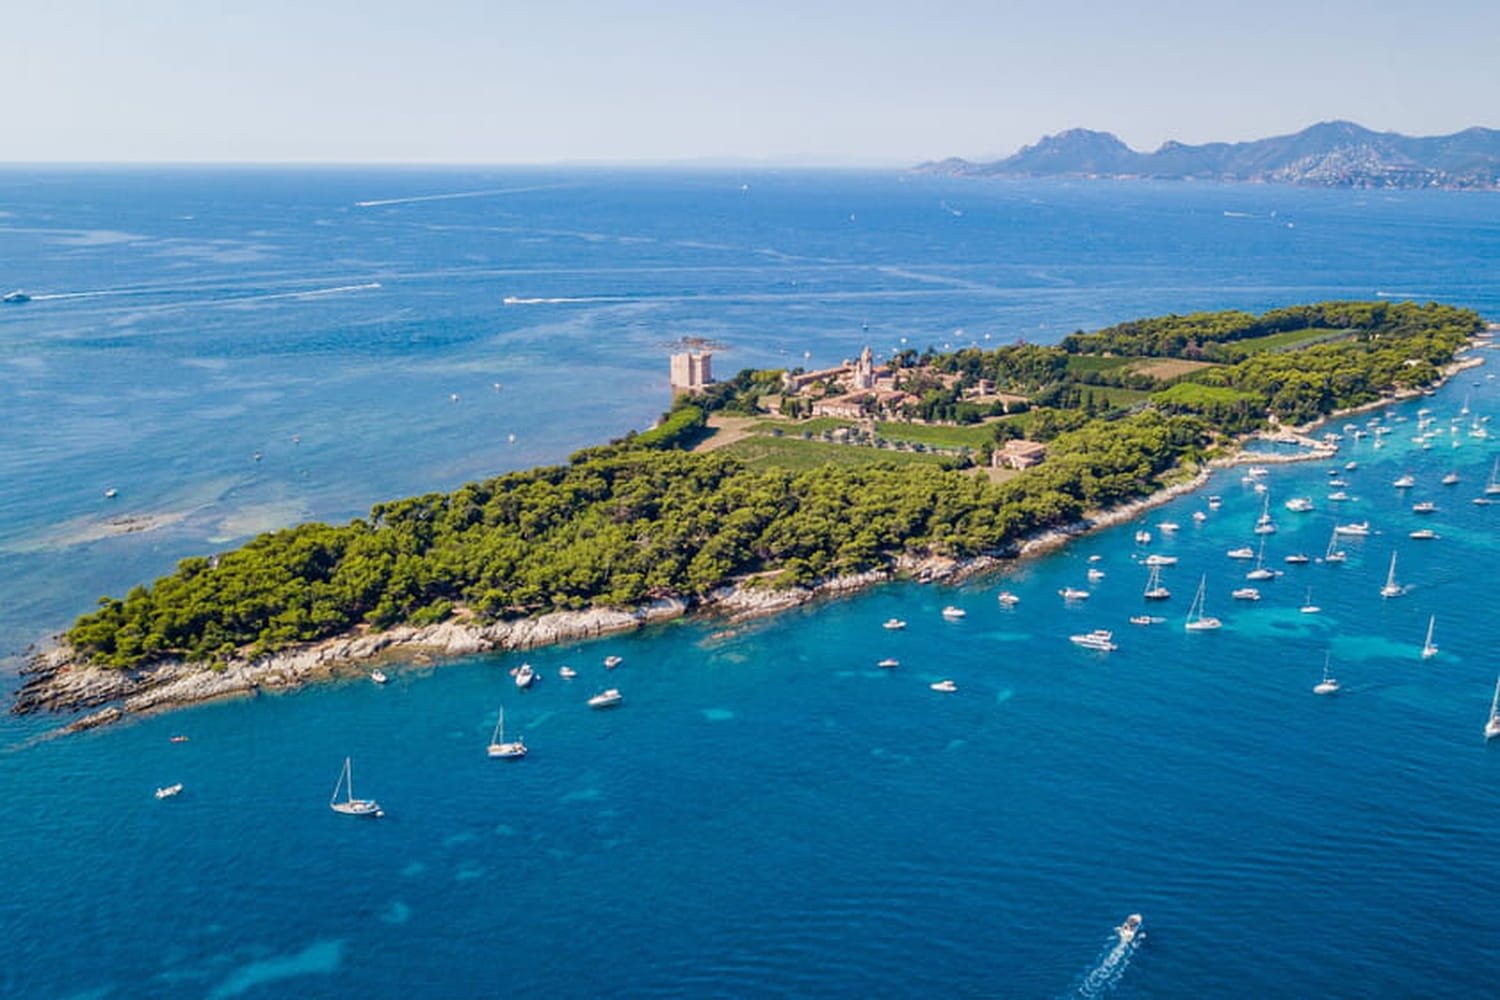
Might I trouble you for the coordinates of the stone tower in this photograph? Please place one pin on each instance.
(691, 371)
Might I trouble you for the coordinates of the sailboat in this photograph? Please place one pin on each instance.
(1392, 588)
(1492, 488)
(1263, 524)
(1308, 607)
(1260, 572)
(349, 805)
(1154, 590)
(1428, 649)
(1197, 621)
(1328, 685)
(498, 746)
(1492, 727)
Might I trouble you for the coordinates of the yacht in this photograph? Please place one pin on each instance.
(498, 747)
(889, 663)
(1246, 594)
(1425, 507)
(1405, 482)
(606, 699)
(1197, 620)
(1008, 599)
(943, 685)
(1158, 560)
(1299, 505)
(169, 791)
(349, 805)
(1154, 590)
(1100, 639)
(953, 613)
(1425, 535)
(1073, 594)
(1243, 552)
(893, 624)
(1353, 528)
(1429, 650)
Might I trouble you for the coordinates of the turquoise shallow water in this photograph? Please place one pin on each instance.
(769, 814)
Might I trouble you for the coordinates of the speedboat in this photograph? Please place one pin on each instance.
(1451, 479)
(1146, 619)
(1156, 560)
(566, 672)
(1100, 639)
(1073, 594)
(1405, 482)
(606, 699)
(953, 613)
(1246, 594)
(169, 791)
(378, 677)
(1338, 496)
(944, 685)
(1298, 558)
(889, 663)
(610, 662)
(1095, 575)
(1425, 535)
(893, 623)
(16, 297)
(1199, 516)
(1245, 552)
(1425, 507)
(1008, 599)
(1300, 505)
(524, 676)
(1354, 528)
(1129, 930)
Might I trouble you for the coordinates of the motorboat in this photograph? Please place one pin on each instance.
(1425, 507)
(606, 699)
(1095, 575)
(1073, 594)
(1243, 552)
(1338, 496)
(1142, 537)
(1246, 594)
(1159, 560)
(1451, 479)
(1130, 929)
(1146, 619)
(953, 613)
(378, 676)
(1100, 639)
(566, 672)
(1425, 535)
(610, 662)
(893, 624)
(1300, 505)
(889, 663)
(1298, 558)
(15, 298)
(1214, 502)
(943, 685)
(1353, 528)
(525, 674)
(1168, 526)
(168, 791)
(1199, 516)
(1405, 482)
(1007, 599)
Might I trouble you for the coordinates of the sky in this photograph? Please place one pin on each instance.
(779, 81)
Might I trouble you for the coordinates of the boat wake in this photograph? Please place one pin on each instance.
(377, 202)
(1108, 969)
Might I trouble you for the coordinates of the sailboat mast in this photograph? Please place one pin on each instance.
(1495, 701)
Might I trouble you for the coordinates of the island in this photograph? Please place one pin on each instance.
(752, 494)
(1329, 154)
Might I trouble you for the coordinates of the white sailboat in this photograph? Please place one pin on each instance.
(498, 747)
(1492, 726)
(1308, 607)
(1334, 553)
(1428, 649)
(1392, 588)
(1197, 621)
(1328, 685)
(1492, 488)
(1264, 525)
(349, 805)
(1260, 572)
(1154, 590)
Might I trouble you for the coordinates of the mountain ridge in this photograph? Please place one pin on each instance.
(1328, 154)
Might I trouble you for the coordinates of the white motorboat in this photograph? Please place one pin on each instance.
(498, 747)
(524, 676)
(610, 662)
(349, 805)
(1298, 558)
(1143, 537)
(1095, 575)
(1214, 502)
(1245, 594)
(378, 676)
(1100, 639)
(1451, 479)
(1007, 599)
(168, 791)
(1299, 505)
(566, 672)
(889, 663)
(953, 613)
(1338, 496)
(1243, 552)
(943, 685)
(606, 699)
(1425, 507)
(893, 624)
(1160, 560)
(1146, 619)
(1405, 482)
(1357, 528)
(1130, 929)
(1168, 527)
(1425, 535)
(1073, 594)
(1199, 516)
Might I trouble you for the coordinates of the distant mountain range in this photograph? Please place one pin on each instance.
(1329, 154)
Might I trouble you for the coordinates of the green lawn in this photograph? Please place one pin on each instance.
(1291, 340)
(796, 454)
(937, 436)
(1114, 397)
(816, 425)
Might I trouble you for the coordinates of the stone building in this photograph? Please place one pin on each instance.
(691, 371)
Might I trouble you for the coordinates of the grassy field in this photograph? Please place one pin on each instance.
(793, 428)
(1291, 340)
(1082, 364)
(1165, 368)
(937, 436)
(1112, 396)
(795, 454)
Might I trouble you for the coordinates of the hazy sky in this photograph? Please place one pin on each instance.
(512, 81)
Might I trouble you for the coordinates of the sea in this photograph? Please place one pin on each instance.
(768, 813)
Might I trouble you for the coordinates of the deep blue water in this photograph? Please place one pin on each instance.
(769, 814)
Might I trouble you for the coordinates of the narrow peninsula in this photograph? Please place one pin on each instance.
(750, 494)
